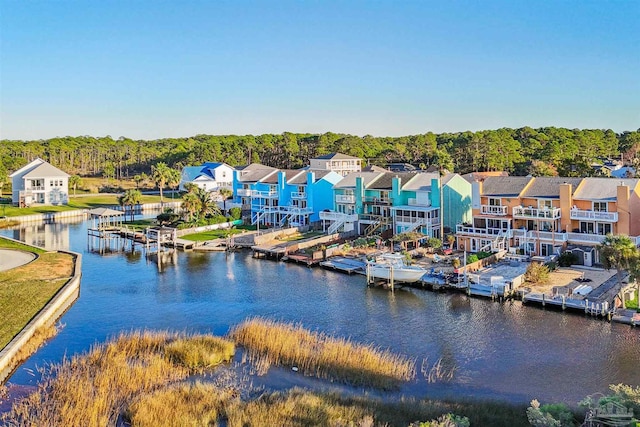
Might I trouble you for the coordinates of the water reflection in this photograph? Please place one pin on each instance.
(499, 350)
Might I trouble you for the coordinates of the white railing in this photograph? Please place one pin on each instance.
(583, 237)
(493, 210)
(401, 219)
(341, 198)
(594, 215)
(271, 194)
(298, 195)
(38, 188)
(530, 212)
(338, 216)
(414, 202)
(244, 192)
(460, 229)
(540, 235)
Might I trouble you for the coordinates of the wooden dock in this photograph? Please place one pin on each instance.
(593, 308)
(345, 265)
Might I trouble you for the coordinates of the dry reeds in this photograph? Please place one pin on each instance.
(436, 372)
(196, 405)
(39, 337)
(322, 355)
(203, 351)
(94, 389)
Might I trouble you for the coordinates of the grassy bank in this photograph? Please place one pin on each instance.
(143, 378)
(79, 202)
(25, 290)
(322, 355)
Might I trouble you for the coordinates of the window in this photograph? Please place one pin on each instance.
(51, 183)
(495, 201)
(542, 204)
(600, 206)
(586, 227)
(604, 229)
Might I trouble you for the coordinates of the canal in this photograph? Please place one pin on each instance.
(499, 351)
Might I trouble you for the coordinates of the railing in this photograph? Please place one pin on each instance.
(271, 194)
(414, 202)
(594, 215)
(244, 192)
(412, 220)
(298, 195)
(377, 200)
(461, 229)
(493, 210)
(341, 198)
(540, 235)
(530, 212)
(338, 216)
(583, 237)
(38, 188)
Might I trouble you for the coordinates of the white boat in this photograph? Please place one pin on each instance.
(390, 266)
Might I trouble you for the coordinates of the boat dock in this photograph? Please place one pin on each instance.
(345, 265)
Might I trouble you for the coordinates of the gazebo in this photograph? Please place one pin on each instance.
(105, 218)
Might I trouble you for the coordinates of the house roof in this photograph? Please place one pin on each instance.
(505, 186)
(349, 181)
(481, 176)
(301, 179)
(603, 189)
(105, 212)
(623, 172)
(385, 182)
(420, 181)
(189, 173)
(255, 172)
(39, 168)
(448, 177)
(549, 186)
(374, 168)
(335, 156)
(288, 173)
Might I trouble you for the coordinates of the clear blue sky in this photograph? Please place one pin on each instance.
(149, 69)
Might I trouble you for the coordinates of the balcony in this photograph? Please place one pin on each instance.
(270, 194)
(585, 238)
(532, 235)
(298, 195)
(342, 198)
(493, 210)
(337, 216)
(36, 188)
(414, 202)
(580, 214)
(244, 192)
(531, 212)
(377, 200)
(474, 231)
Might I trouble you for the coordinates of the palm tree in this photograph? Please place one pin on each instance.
(161, 174)
(174, 180)
(130, 198)
(619, 252)
(74, 182)
(226, 194)
(190, 205)
(208, 206)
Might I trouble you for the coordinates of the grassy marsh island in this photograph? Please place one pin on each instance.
(169, 379)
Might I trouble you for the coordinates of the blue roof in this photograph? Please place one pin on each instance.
(191, 172)
(211, 165)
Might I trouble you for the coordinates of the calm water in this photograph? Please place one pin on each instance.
(503, 351)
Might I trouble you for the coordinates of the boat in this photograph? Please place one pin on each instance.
(393, 266)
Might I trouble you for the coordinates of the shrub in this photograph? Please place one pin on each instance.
(434, 243)
(167, 218)
(552, 415)
(483, 254)
(200, 351)
(567, 259)
(472, 258)
(537, 274)
(235, 213)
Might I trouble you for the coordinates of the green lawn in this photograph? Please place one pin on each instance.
(25, 290)
(210, 235)
(10, 244)
(84, 202)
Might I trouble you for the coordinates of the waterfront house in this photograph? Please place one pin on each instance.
(274, 197)
(210, 176)
(543, 216)
(416, 203)
(41, 183)
(340, 163)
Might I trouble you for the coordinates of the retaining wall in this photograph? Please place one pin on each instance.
(194, 230)
(51, 312)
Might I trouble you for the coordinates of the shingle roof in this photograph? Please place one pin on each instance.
(480, 176)
(191, 172)
(447, 177)
(549, 186)
(385, 182)
(374, 168)
(604, 189)
(288, 173)
(335, 156)
(419, 181)
(44, 170)
(504, 186)
(349, 181)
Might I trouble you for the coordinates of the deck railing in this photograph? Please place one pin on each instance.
(581, 214)
(493, 210)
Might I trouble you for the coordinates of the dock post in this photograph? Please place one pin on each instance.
(586, 306)
(564, 302)
(391, 272)
(543, 302)
(368, 274)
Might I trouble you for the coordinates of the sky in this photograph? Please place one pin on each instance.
(153, 69)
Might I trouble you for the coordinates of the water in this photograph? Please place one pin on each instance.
(502, 351)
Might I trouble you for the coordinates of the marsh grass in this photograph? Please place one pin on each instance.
(322, 355)
(40, 336)
(202, 351)
(196, 405)
(95, 388)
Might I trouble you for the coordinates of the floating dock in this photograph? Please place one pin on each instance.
(345, 265)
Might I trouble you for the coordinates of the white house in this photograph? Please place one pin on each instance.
(40, 182)
(209, 176)
(337, 162)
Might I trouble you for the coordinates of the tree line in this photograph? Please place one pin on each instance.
(542, 151)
